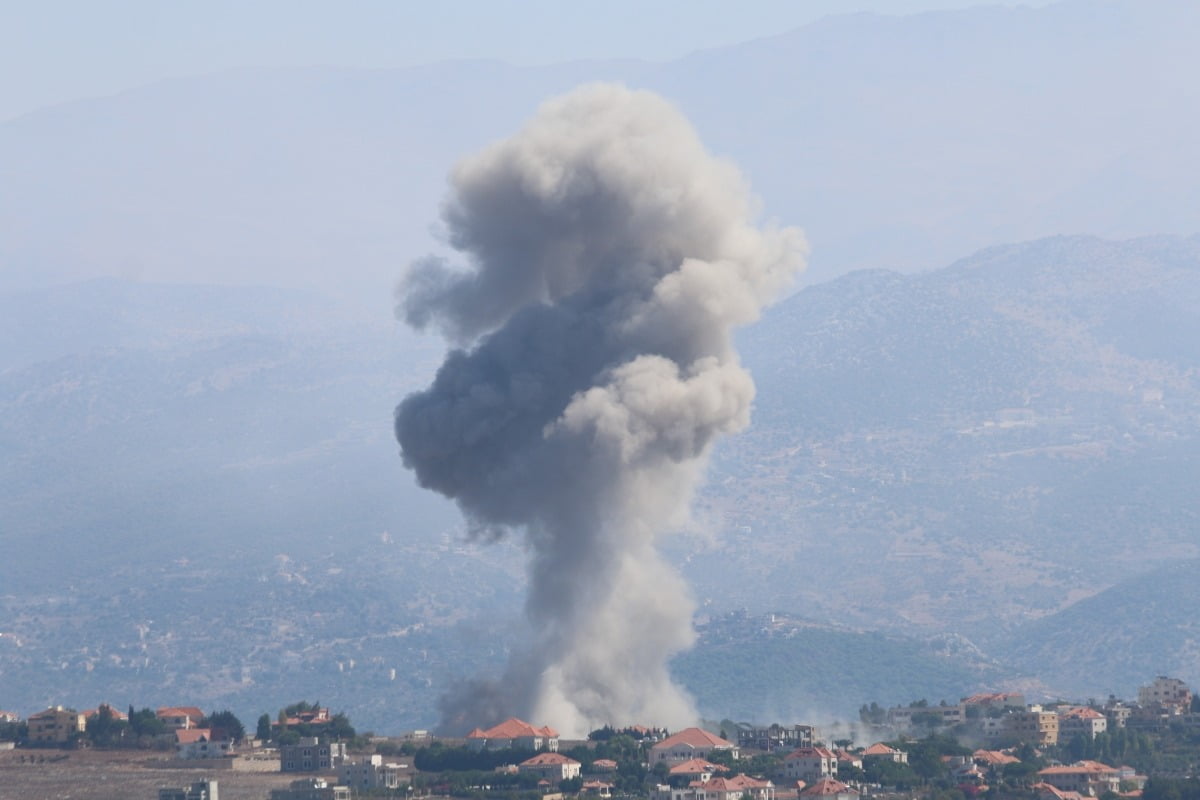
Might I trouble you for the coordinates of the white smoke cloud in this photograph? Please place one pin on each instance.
(609, 257)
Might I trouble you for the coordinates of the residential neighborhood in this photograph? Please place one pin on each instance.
(988, 744)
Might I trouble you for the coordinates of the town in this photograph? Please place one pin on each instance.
(986, 745)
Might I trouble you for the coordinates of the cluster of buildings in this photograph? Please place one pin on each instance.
(695, 763)
(1005, 718)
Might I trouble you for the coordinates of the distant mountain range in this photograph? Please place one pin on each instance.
(896, 142)
(975, 477)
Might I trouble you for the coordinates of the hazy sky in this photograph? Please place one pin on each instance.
(57, 50)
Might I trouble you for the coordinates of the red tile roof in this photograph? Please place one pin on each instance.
(826, 786)
(694, 737)
(513, 728)
(548, 760)
(995, 758)
(696, 766)
(180, 711)
(1082, 767)
(737, 782)
(880, 749)
(190, 735)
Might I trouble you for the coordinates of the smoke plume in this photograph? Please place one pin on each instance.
(608, 259)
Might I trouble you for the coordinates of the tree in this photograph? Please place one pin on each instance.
(104, 729)
(145, 724)
(263, 733)
(226, 724)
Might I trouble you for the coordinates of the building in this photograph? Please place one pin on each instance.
(197, 743)
(56, 725)
(597, 788)
(1117, 714)
(1170, 694)
(907, 717)
(200, 790)
(688, 744)
(997, 700)
(9, 716)
(1035, 726)
(372, 773)
(739, 787)
(829, 789)
(993, 759)
(881, 752)
(1088, 778)
(551, 766)
(810, 764)
(516, 734)
(604, 765)
(311, 789)
(180, 717)
(310, 755)
(1080, 721)
(776, 737)
(697, 769)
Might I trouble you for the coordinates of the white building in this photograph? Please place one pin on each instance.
(551, 766)
(196, 744)
(810, 764)
(514, 733)
(688, 744)
(200, 790)
(372, 773)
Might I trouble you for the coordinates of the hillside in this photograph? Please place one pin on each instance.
(975, 445)
(950, 453)
(1144, 626)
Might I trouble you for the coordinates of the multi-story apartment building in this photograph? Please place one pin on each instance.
(1171, 694)
(1035, 726)
(55, 725)
(311, 755)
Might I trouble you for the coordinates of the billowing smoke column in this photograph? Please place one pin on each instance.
(609, 258)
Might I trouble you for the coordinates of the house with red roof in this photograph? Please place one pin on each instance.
(597, 788)
(696, 769)
(197, 743)
(810, 764)
(551, 766)
(829, 789)
(688, 744)
(516, 734)
(1047, 792)
(879, 750)
(9, 716)
(1085, 777)
(180, 717)
(604, 765)
(739, 787)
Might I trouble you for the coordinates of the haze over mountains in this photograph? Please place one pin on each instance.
(958, 476)
(896, 142)
(952, 453)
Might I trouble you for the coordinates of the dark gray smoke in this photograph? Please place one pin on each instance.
(609, 257)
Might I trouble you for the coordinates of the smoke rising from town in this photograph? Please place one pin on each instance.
(608, 257)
